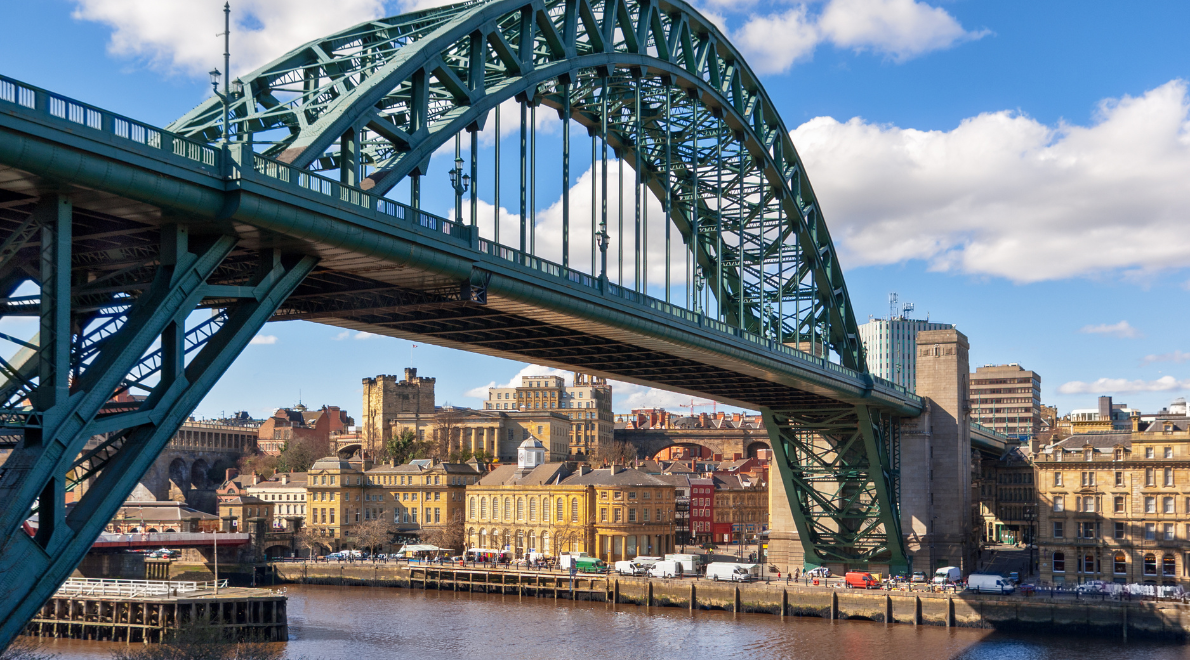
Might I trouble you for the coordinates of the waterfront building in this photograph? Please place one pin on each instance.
(1007, 497)
(246, 514)
(1114, 505)
(587, 404)
(635, 512)
(286, 491)
(1006, 398)
(741, 509)
(890, 347)
(527, 506)
(333, 485)
(152, 516)
(423, 499)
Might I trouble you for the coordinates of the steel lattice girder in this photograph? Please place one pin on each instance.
(835, 463)
(105, 359)
(397, 89)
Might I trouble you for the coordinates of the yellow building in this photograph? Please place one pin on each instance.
(1115, 506)
(421, 497)
(634, 512)
(334, 486)
(241, 512)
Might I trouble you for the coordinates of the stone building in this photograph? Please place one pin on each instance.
(389, 403)
(587, 403)
(246, 514)
(634, 512)
(287, 493)
(1006, 490)
(1115, 505)
(741, 508)
(333, 487)
(1006, 398)
(528, 507)
(166, 517)
(421, 496)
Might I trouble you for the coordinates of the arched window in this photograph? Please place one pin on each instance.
(520, 508)
(573, 509)
(483, 508)
(471, 513)
(1059, 562)
(508, 508)
(1168, 566)
(507, 538)
(532, 508)
(561, 510)
(1150, 564)
(545, 542)
(532, 541)
(471, 537)
(545, 509)
(1120, 564)
(483, 538)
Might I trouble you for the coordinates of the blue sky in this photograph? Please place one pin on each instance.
(1016, 168)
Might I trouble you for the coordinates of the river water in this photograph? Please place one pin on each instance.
(369, 623)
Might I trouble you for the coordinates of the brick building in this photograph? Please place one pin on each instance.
(297, 423)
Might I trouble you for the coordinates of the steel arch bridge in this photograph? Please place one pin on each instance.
(284, 209)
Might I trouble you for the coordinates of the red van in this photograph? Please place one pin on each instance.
(858, 580)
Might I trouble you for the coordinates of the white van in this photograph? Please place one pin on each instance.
(647, 562)
(666, 569)
(989, 584)
(629, 567)
(731, 572)
(947, 575)
(565, 560)
(690, 563)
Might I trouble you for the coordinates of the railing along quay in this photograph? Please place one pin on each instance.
(525, 583)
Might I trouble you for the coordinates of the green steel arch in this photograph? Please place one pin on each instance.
(656, 80)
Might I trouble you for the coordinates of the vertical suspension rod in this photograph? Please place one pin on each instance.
(524, 184)
(565, 175)
(603, 173)
(496, 183)
(668, 194)
(533, 179)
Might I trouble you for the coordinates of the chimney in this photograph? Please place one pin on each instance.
(1105, 408)
(231, 473)
(255, 478)
(735, 417)
(702, 420)
(284, 478)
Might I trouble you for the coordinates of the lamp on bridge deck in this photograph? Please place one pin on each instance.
(460, 182)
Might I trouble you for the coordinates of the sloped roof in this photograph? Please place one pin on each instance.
(510, 475)
(615, 477)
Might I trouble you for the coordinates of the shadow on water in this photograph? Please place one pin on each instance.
(359, 623)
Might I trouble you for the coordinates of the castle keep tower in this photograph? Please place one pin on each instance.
(386, 398)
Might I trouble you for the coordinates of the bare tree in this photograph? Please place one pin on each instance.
(309, 539)
(615, 451)
(451, 534)
(375, 533)
(448, 432)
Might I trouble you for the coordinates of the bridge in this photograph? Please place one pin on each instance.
(278, 200)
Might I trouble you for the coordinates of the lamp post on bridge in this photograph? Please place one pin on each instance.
(460, 182)
(235, 87)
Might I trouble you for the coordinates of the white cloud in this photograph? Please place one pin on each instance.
(902, 29)
(773, 42)
(1005, 195)
(1123, 386)
(180, 35)
(352, 334)
(481, 392)
(264, 340)
(1177, 356)
(1121, 330)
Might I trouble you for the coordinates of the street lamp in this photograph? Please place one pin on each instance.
(461, 183)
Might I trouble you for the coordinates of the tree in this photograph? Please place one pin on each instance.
(375, 533)
(616, 451)
(300, 453)
(262, 464)
(406, 447)
(308, 538)
(452, 534)
(448, 432)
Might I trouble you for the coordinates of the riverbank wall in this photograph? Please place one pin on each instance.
(1065, 615)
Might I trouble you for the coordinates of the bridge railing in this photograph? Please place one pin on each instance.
(165, 538)
(57, 107)
(385, 210)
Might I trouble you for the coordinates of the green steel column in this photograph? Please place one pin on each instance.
(475, 177)
(349, 157)
(415, 191)
(458, 191)
(54, 213)
(496, 182)
(565, 175)
(524, 201)
(780, 272)
(533, 179)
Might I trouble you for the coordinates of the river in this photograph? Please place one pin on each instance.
(367, 623)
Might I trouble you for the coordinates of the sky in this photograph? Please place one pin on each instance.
(1016, 168)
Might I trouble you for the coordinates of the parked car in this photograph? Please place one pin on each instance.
(820, 572)
(918, 576)
(860, 580)
(983, 583)
(1091, 587)
(733, 572)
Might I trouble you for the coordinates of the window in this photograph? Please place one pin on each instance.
(1059, 504)
(1150, 504)
(483, 508)
(616, 515)
(1167, 532)
(1119, 530)
(1087, 564)
(1089, 504)
(1168, 480)
(1057, 478)
(1120, 563)
(1150, 531)
(520, 508)
(1059, 562)
(1150, 563)
(1119, 504)
(1057, 529)
(1088, 479)
(1169, 452)
(472, 507)
(533, 508)
(573, 510)
(603, 514)
(508, 508)
(1167, 505)
(631, 515)
(1087, 453)
(1087, 530)
(1148, 452)
(1119, 479)
(1168, 565)
(561, 510)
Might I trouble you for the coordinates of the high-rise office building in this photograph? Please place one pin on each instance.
(1007, 398)
(890, 346)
